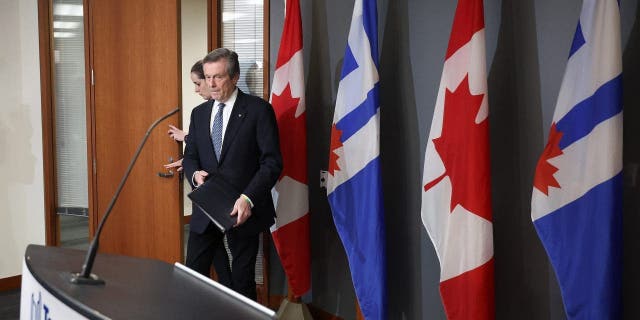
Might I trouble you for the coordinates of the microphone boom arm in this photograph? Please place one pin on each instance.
(85, 276)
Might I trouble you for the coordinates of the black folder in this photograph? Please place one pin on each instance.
(216, 197)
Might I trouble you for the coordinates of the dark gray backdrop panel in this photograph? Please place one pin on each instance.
(527, 45)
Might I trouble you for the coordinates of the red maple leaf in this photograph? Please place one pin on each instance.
(544, 170)
(335, 145)
(293, 135)
(463, 147)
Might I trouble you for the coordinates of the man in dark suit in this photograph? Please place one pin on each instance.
(233, 136)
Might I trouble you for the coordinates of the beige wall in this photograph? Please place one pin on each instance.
(194, 47)
(21, 184)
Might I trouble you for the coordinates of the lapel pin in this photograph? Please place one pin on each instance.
(240, 115)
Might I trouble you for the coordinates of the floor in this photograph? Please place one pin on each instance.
(74, 232)
(10, 305)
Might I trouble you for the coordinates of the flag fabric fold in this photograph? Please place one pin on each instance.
(576, 204)
(456, 192)
(291, 231)
(354, 186)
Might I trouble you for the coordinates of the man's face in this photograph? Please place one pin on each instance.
(221, 84)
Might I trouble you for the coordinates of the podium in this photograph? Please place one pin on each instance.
(135, 288)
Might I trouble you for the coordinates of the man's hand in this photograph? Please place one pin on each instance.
(177, 164)
(242, 209)
(199, 177)
(176, 134)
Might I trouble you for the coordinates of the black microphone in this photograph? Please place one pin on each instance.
(85, 276)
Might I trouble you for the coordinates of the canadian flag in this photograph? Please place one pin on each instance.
(291, 230)
(456, 193)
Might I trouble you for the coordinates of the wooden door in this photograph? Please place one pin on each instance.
(135, 57)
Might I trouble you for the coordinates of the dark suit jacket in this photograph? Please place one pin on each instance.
(250, 157)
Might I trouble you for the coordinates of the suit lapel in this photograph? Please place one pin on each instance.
(236, 119)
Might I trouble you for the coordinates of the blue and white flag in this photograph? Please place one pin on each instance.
(576, 204)
(354, 187)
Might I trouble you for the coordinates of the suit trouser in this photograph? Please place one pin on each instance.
(208, 246)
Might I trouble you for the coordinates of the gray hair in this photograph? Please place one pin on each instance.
(233, 66)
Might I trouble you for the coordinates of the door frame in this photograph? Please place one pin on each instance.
(45, 18)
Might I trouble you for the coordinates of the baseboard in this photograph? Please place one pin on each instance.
(10, 283)
(317, 313)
